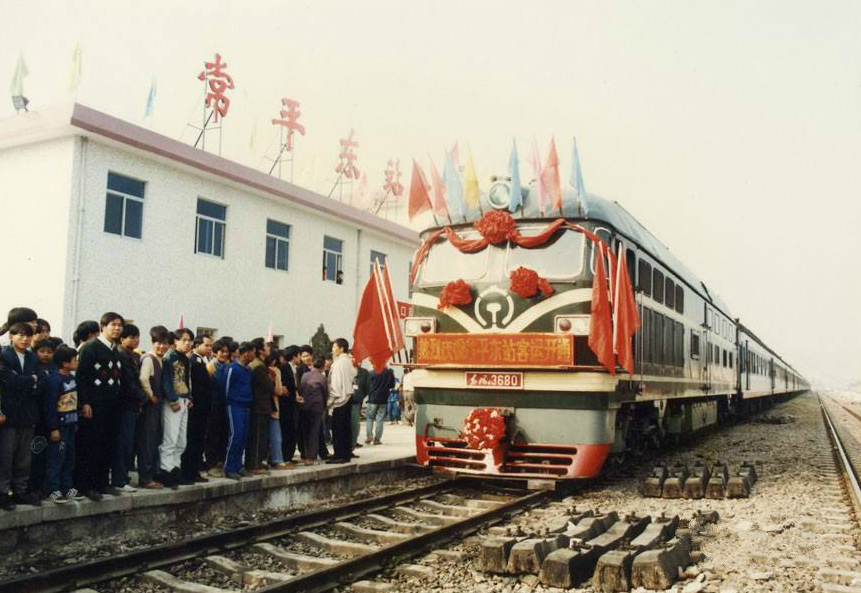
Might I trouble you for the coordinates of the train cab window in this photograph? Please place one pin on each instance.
(670, 294)
(552, 259)
(695, 344)
(644, 277)
(445, 261)
(680, 299)
(658, 286)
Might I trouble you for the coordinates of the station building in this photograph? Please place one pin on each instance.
(101, 215)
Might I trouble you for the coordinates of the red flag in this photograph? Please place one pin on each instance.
(550, 176)
(600, 323)
(627, 318)
(438, 187)
(419, 198)
(377, 334)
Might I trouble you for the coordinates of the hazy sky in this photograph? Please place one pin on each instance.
(731, 129)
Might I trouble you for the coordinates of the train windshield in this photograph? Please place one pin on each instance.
(561, 257)
(445, 262)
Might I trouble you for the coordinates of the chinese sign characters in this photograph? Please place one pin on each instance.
(219, 82)
(289, 116)
(495, 350)
(347, 156)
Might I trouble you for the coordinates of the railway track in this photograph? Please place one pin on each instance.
(313, 551)
(847, 453)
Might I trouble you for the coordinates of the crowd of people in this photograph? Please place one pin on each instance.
(75, 420)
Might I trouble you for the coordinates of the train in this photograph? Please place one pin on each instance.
(502, 375)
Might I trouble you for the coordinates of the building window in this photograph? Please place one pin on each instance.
(124, 206)
(376, 256)
(332, 260)
(277, 245)
(209, 232)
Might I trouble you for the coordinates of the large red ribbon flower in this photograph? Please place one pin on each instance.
(496, 226)
(526, 283)
(483, 428)
(455, 293)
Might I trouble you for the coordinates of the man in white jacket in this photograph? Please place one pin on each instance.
(341, 377)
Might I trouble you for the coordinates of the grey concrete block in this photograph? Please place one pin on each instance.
(493, 554)
(527, 555)
(658, 569)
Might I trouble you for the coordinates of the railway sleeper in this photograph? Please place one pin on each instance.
(447, 509)
(370, 535)
(293, 561)
(244, 575)
(177, 585)
(429, 518)
(335, 546)
(695, 485)
(654, 484)
(674, 485)
(658, 569)
(398, 526)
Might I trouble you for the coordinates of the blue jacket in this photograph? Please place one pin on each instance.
(175, 377)
(61, 401)
(238, 385)
(20, 395)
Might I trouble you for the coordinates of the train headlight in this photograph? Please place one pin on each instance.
(417, 326)
(572, 324)
(499, 195)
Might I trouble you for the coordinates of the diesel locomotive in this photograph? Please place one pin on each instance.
(503, 377)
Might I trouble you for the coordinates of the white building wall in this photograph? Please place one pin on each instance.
(35, 183)
(155, 279)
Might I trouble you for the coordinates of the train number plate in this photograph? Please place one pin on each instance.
(494, 380)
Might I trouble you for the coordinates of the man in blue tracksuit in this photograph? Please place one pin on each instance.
(237, 385)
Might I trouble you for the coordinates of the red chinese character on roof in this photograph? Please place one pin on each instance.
(291, 114)
(393, 178)
(347, 156)
(219, 82)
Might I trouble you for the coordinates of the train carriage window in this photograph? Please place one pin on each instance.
(657, 338)
(679, 339)
(644, 277)
(680, 299)
(669, 342)
(658, 286)
(717, 355)
(670, 294)
(723, 356)
(646, 332)
(695, 344)
(630, 262)
(730, 360)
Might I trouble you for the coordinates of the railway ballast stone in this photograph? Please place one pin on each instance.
(659, 569)
(164, 579)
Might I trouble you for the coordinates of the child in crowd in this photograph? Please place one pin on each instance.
(393, 410)
(61, 419)
(22, 384)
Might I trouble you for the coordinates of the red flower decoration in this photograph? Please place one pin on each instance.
(496, 226)
(455, 293)
(526, 283)
(483, 428)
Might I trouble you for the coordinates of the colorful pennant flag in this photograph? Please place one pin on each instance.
(150, 100)
(538, 174)
(454, 153)
(438, 189)
(515, 195)
(453, 187)
(419, 196)
(75, 76)
(600, 319)
(576, 180)
(377, 333)
(626, 319)
(16, 89)
(470, 183)
(550, 176)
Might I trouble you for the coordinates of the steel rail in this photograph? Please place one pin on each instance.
(348, 571)
(849, 469)
(95, 571)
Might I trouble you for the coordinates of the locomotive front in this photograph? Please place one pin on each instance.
(504, 380)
